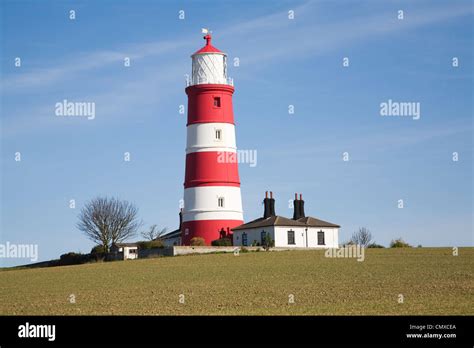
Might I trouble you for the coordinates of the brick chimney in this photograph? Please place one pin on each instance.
(301, 206)
(296, 208)
(266, 206)
(272, 204)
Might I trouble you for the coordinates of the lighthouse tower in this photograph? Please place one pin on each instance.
(212, 200)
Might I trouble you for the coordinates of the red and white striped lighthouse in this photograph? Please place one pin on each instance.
(212, 200)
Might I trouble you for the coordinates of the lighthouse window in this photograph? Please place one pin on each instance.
(220, 202)
(217, 102)
(218, 134)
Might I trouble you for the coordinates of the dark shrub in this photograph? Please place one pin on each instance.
(197, 241)
(375, 245)
(153, 244)
(399, 243)
(98, 249)
(268, 242)
(98, 253)
(72, 258)
(244, 250)
(222, 242)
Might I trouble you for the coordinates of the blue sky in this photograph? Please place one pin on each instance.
(282, 61)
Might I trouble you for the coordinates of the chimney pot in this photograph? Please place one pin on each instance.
(296, 196)
(301, 196)
(271, 194)
(266, 194)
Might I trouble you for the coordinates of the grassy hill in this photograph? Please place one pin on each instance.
(431, 281)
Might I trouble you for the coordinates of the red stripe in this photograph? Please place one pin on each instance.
(206, 169)
(207, 229)
(201, 108)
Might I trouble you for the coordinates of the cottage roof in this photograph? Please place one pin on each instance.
(277, 220)
(313, 222)
(172, 234)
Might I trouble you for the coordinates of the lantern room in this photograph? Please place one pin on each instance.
(209, 65)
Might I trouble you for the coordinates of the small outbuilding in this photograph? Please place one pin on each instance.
(125, 251)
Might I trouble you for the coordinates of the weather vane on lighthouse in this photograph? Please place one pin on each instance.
(207, 36)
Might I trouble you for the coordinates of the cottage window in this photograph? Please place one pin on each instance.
(321, 238)
(244, 239)
(291, 237)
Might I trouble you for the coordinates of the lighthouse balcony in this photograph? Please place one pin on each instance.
(209, 80)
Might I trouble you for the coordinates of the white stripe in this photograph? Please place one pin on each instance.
(201, 203)
(202, 137)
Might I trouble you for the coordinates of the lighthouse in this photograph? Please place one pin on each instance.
(212, 200)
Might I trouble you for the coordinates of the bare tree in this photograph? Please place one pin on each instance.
(362, 237)
(107, 221)
(153, 233)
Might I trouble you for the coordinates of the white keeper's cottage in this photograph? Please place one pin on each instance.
(300, 232)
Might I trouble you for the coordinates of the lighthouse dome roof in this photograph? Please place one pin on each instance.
(208, 48)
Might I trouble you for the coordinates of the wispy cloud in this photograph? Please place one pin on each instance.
(308, 37)
(85, 62)
(270, 38)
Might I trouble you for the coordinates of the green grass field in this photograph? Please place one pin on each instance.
(431, 280)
